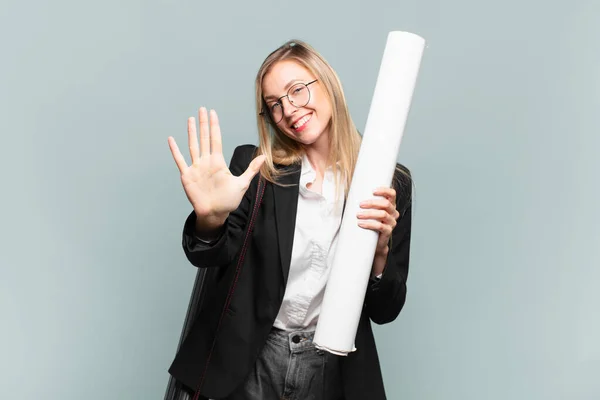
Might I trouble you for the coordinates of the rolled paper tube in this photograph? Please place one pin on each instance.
(352, 262)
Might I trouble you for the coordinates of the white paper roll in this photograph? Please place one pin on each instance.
(345, 292)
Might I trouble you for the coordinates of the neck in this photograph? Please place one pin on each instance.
(317, 153)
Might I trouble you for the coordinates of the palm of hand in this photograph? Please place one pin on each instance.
(209, 185)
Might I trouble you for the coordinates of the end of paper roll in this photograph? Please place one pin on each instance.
(408, 35)
(336, 352)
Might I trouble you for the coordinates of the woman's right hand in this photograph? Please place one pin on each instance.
(210, 187)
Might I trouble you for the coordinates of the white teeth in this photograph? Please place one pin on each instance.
(301, 122)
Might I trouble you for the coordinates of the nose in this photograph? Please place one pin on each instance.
(288, 108)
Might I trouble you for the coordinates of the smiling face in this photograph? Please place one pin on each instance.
(308, 124)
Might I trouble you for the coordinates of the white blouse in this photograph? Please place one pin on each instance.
(315, 238)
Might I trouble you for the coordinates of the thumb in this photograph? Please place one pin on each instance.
(253, 168)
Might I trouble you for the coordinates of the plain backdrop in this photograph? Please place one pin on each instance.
(503, 299)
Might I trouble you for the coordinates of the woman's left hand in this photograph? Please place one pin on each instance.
(380, 215)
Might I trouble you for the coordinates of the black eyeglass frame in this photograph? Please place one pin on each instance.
(267, 114)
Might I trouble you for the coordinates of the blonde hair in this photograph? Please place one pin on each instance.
(344, 138)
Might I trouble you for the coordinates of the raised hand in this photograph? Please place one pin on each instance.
(210, 187)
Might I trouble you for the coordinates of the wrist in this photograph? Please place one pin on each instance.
(378, 265)
(209, 227)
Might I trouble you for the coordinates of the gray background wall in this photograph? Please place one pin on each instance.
(502, 141)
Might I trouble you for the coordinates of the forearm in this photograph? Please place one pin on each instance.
(386, 296)
(211, 241)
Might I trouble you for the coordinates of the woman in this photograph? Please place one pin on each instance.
(255, 341)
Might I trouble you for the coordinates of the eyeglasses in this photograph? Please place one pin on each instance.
(298, 96)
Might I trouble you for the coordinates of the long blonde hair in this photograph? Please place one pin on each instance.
(344, 138)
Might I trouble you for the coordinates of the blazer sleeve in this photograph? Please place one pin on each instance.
(385, 298)
(222, 251)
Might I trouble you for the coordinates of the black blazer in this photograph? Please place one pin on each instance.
(261, 285)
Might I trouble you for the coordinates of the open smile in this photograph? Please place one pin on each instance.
(301, 122)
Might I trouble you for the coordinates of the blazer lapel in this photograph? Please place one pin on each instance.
(286, 205)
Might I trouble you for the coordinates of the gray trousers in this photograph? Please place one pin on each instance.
(290, 367)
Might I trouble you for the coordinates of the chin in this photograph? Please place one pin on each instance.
(307, 138)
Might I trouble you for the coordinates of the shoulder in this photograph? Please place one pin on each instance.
(244, 151)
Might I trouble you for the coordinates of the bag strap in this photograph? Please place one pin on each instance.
(238, 268)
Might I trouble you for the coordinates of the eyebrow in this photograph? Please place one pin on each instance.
(287, 86)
